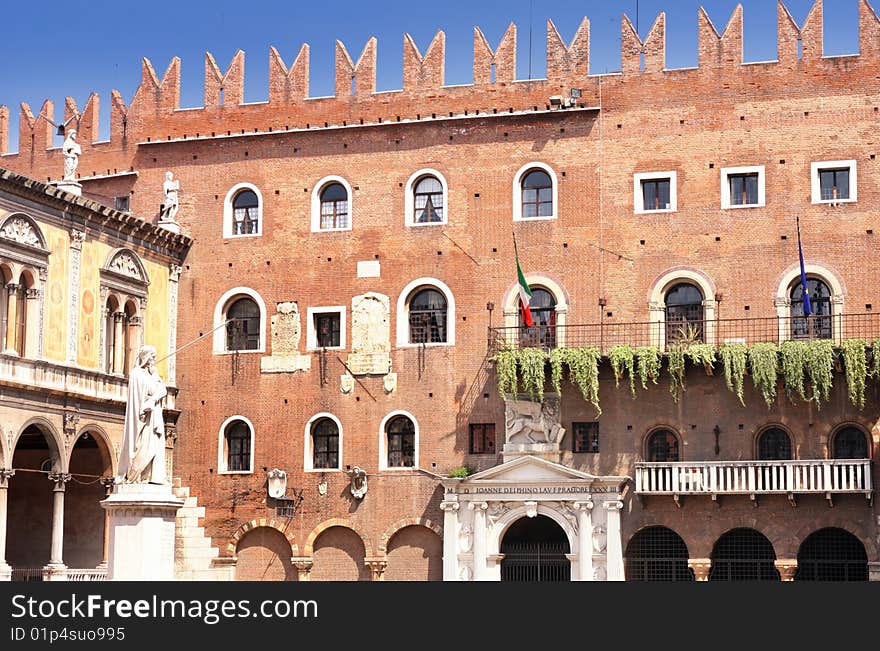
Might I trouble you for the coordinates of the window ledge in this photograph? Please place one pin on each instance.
(745, 205)
(436, 344)
(315, 470)
(400, 469)
(331, 230)
(240, 352)
(832, 202)
(422, 224)
(535, 219)
(317, 349)
(242, 236)
(653, 212)
(235, 472)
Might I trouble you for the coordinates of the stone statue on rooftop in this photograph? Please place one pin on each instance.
(71, 151)
(171, 203)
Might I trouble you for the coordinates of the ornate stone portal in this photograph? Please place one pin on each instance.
(479, 510)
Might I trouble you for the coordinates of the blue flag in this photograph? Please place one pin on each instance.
(808, 309)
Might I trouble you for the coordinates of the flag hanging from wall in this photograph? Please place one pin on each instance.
(525, 294)
(808, 309)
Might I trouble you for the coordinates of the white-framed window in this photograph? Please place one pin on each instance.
(655, 192)
(243, 211)
(331, 205)
(235, 450)
(325, 328)
(833, 182)
(323, 443)
(426, 314)
(742, 187)
(426, 199)
(535, 193)
(398, 441)
(243, 312)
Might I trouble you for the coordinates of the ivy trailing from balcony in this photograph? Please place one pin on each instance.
(622, 359)
(583, 372)
(675, 360)
(531, 363)
(648, 362)
(794, 359)
(702, 355)
(733, 357)
(855, 361)
(557, 358)
(875, 359)
(820, 356)
(505, 370)
(764, 366)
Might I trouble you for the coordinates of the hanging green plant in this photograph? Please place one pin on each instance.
(733, 357)
(702, 355)
(764, 365)
(855, 361)
(557, 358)
(875, 359)
(583, 372)
(505, 370)
(675, 359)
(531, 364)
(820, 368)
(622, 359)
(794, 359)
(648, 361)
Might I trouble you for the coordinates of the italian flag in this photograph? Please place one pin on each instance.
(525, 295)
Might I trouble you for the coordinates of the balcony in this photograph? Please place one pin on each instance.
(754, 478)
(659, 333)
(54, 377)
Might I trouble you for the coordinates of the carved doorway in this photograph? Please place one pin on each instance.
(535, 549)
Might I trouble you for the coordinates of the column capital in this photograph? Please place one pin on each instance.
(787, 568)
(12, 287)
(585, 505)
(174, 272)
(701, 567)
(377, 567)
(108, 483)
(303, 564)
(5, 475)
(449, 506)
(33, 293)
(76, 239)
(478, 506)
(614, 505)
(59, 479)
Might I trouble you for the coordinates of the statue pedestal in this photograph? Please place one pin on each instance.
(142, 518)
(547, 451)
(69, 186)
(172, 226)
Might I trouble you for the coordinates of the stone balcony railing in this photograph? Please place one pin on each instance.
(54, 377)
(753, 478)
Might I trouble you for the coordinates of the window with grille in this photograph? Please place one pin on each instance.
(662, 446)
(850, 443)
(657, 554)
(743, 555)
(537, 194)
(585, 437)
(401, 442)
(774, 445)
(684, 314)
(245, 213)
(482, 438)
(427, 317)
(334, 207)
(243, 326)
(327, 329)
(542, 334)
(325, 444)
(832, 555)
(818, 324)
(428, 201)
(238, 446)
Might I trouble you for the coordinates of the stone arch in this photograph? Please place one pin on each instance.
(658, 428)
(23, 229)
(220, 309)
(339, 553)
(787, 540)
(108, 449)
(403, 301)
(496, 532)
(50, 433)
(782, 300)
(766, 427)
(272, 523)
(511, 309)
(657, 300)
(126, 262)
(406, 522)
(265, 553)
(309, 548)
(414, 552)
(839, 427)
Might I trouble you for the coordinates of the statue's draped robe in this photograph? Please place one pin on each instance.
(142, 458)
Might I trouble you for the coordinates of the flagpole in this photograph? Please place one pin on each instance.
(806, 306)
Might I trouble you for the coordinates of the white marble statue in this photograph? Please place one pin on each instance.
(533, 422)
(171, 203)
(71, 151)
(142, 459)
(358, 482)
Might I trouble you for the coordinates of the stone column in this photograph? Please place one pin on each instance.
(479, 509)
(118, 342)
(33, 299)
(107, 483)
(5, 570)
(11, 316)
(700, 567)
(56, 566)
(450, 540)
(377, 568)
(173, 284)
(614, 550)
(787, 568)
(585, 540)
(303, 567)
(76, 243)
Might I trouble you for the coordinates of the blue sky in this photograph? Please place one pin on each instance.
(54, 49)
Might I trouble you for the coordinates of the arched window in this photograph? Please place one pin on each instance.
(245, 213)
(428, 201)
(657, 554)
(334, 207)
(20, 323)
(818, 324)
(325, 444)
(684, 314)
(743, 555)
(427, 317)
(850, 443)
(238, 446)
(401, 441)
(774, 445)
(832, 555)
(662, 445)
(243, 326)
(542, 334)
(537, 194)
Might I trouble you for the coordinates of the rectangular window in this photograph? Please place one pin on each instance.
(122, 203)
(833, 181)
(585, 437)
(834, 184)
(655, 194)
(482, 438)
(327, 329)
(743, 189)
